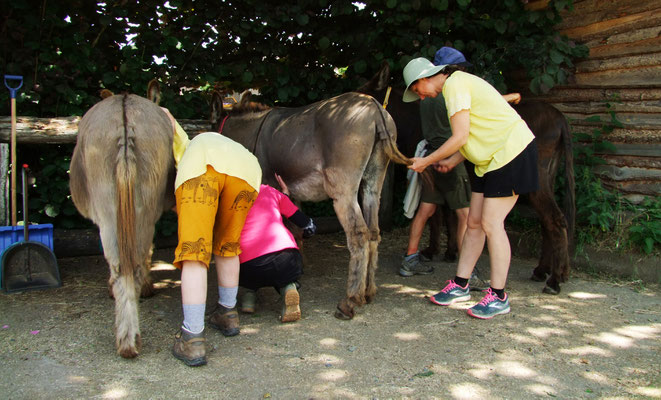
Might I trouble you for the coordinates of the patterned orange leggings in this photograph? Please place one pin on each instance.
(212, 209)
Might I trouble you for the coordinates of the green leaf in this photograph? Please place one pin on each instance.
(556, 57)
(302, 19)
(360, 66)
(323, 43)
(391, 3)
(247, 77)
(424, 25)
(501, 26)
(440, 5)
(283, 94)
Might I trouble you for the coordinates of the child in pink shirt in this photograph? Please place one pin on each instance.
(270, 255)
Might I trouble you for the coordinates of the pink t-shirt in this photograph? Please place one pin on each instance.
(264, 231)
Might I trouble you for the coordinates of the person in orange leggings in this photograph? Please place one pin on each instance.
(216, 185)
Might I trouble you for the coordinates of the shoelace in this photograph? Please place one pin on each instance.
(450, 285)
(488, 298)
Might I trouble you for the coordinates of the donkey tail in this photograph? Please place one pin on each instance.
(570, 197)
(125, 178)
(389, 136)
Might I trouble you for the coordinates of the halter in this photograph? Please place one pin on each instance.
(259, 130)
(222, 124)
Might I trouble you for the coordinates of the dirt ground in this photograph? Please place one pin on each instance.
(597, 339)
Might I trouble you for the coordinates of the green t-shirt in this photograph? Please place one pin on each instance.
(497, 133)
(434, 122)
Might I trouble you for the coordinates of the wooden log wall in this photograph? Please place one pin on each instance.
(623, 70)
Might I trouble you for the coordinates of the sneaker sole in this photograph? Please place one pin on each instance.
(470, 312)
(292, 309)
(455, 300)
(404, 272)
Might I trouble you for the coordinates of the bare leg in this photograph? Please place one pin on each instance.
(462, 222)
(425, 210)
(227, 269)
(494, 211)
(473, 242)
(193, 282)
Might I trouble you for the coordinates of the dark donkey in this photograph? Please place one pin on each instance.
(330, 149)
(553, 142)
(121, 178)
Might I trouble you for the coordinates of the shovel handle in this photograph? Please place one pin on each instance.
(13, 89)
(24, 172)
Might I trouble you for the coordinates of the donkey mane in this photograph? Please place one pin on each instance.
(245, 106)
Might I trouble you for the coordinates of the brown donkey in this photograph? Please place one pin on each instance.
(119, 178)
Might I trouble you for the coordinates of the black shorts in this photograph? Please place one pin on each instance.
(519, 176)
(274, 269)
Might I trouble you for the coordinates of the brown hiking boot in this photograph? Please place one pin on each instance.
(291, 310)
(226, 320)
(190, 348)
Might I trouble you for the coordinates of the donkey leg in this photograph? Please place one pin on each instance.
(357, 234)
(555, 246)
(434, 235)
(143, 275)
(451, 221)
(127, 326)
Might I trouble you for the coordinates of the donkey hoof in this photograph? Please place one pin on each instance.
(549, 290)
(345, 316)
(128, 350)
(538, 278)
(450, 257)
(147, 290)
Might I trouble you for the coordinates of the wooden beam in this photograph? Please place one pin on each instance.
(65, 130)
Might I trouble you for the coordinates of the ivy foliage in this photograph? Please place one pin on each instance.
(295, 52)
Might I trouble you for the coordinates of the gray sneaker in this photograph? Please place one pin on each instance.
(411, 265)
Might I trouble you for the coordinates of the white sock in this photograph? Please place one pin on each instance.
(227, 296)
(194, 317)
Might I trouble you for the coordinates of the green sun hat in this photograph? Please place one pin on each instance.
(417, 68)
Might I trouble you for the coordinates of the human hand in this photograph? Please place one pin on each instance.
(283, 186)
(514, 98)
(418, 165)
(443, 166)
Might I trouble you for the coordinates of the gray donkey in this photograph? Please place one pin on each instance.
(121, 178)
(335, 149)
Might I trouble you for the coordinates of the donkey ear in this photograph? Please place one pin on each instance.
(154, 91)
(383, 76)
(245, 99)
(379, 81)
(105, 93)
(217, 110)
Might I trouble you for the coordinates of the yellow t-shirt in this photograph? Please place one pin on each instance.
(497, 133)
(179, 142)
(222, 153)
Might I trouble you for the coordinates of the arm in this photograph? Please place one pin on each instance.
(460, 124)
(514, 98)
(283, 186)
(447, 164)
(298, 218)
